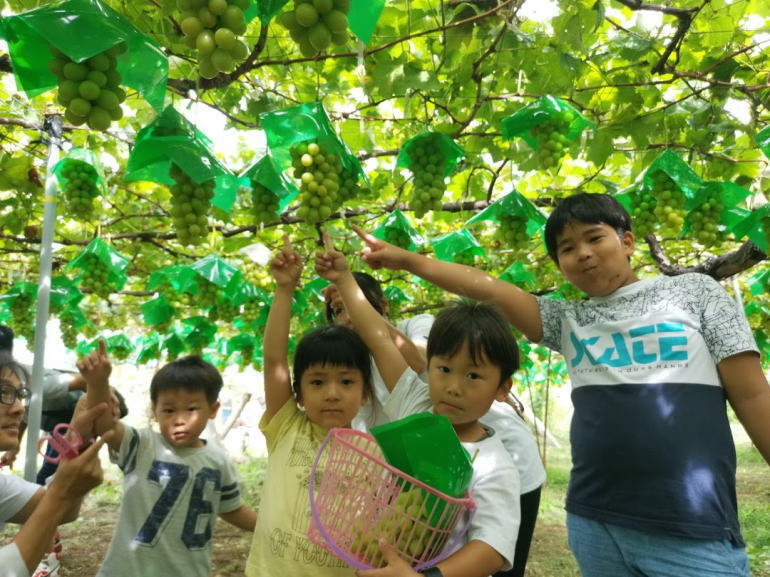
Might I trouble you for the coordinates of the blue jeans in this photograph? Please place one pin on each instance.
(604, 550)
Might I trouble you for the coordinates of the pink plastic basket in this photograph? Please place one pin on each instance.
(361, 499)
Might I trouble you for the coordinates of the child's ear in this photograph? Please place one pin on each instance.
(214, 409)
(503, 390)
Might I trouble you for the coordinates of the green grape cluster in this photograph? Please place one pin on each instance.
(405, 526)
(704, 220)
(512, 232)
(120, 353)
(213, 27)
(669, 208)
(265, 203)
(79, 187)
(428, 166)
(551, 137)
(251, 310)
(23, 310)
(643, 205)
(318, 170)
(190, 204)
(69, 332)
(90, 90)
(349, 187)
(246, 357)
(208, 294)
(464, 257)
(256, 274)
(223, 310)
(95, 277)
(317, 24)
(397, 237)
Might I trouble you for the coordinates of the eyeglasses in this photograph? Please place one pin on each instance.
(9, 394)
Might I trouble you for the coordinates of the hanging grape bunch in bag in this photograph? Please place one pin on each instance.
(551, 137)
(213, 28)
(704, 220)
(428, 166)
(511, 232)
(318, 169)
(317, 24)
(23, 310)
(264, 203)
(79, 188)
(90, 90)
(397, 237)
(95, 277)
(190, 205)
(643, 205)
(669, 207)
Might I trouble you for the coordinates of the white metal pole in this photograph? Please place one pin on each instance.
(53, 128)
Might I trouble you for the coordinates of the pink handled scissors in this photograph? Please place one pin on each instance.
(67, 448)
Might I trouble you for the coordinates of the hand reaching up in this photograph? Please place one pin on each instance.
(330, 263)
(286, 265)
(378, 254)
(96, 367)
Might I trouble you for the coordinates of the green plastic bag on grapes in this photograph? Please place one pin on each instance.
(517, 274)
(82, 30)
(756, 226)
(517, 219)
(430, 157)
(246, 345)
(81, 182)
(363, 17)
(548, 125)
(759, 282)
(158, 313)
(20, 301)
(214, 28)
(763, 140)
(102, 269)
(396, 299)
(71, 322)
(397, 230)
(197, 333)
(148, 347)
(64, 293)
(708, 208)
(462, 242)
(170, 140)
(271, 189)
(316, 25)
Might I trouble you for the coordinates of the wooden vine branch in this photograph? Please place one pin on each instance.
(685, 17)
(718, 267)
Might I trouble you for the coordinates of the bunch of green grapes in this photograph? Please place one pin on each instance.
(264, 202)
(397, 237)
(90, 90)
(120, 353)
(246, 357)
(512, 232)
(95, 276)
(69, 332)
(190, 204)
(669, 206)
(251, 310)
(223, 310)
(643, 205)
(318, 170)
(317, 24)
(551, 137)
(704, 220)
(465, 257)
(213, 27)
(428, 166)
(348, 186)
(208, 293)
(79, 187)
(256, 274)
(23, 311)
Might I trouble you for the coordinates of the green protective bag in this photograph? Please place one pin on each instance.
(305, 122)
(21, 289)
(756, 226)
(521, 122)
(363, 17)
(264, 172)
(81, 29)
(517, 274)
(240, 342)
(451, 152)
(763, 140)
(197, 333)
(180, 278)
(173, 345)
(397, 230)
(728, 194)
(264, 10)
(669, 163)
(81, 181)
(116, 263)
(64, 293)
(759, 283)
(148, 348)
(513, 203)
(172, 139)
(215, 269)
(447, 246)
(157, 312)
(77, 157)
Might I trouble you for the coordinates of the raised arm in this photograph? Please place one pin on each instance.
(367, 322)
(286, 268)
(95, 368)
(519, 306)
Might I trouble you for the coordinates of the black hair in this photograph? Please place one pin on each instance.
(122, 406)
(8, 363)
(190, 373)
(483, 327)
(6, 338)
(336, 346)
(372, 290)
(586, 208)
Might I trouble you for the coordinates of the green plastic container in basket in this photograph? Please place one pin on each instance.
(426, 447)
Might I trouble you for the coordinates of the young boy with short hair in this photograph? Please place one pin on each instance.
(651, 363)
(175, 483)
